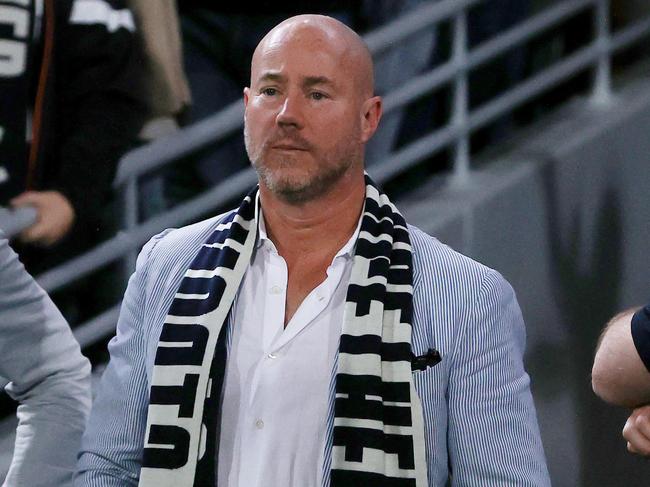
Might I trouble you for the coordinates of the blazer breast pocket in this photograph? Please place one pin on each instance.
(423, 362)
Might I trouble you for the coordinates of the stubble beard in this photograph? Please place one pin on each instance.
(310, 186)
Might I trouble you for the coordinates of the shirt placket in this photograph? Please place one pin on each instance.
(257, 418)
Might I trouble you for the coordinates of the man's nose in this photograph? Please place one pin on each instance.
(290, 113)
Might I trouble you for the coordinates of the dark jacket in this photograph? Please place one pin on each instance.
(85, 87)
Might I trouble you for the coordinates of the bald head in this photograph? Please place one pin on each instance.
(310, 109)
(325, 33)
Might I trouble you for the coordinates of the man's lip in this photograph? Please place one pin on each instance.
(289, 147)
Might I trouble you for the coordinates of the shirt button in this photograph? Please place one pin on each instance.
(272, 355)
(259, 424)
(276, 290)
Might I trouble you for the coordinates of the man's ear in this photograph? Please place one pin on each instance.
(370, 116)
(247, 91)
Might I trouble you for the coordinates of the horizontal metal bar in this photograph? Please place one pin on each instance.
(14, 221)
(162, 151)
(414, 21)
(424, 147)
(417, 151)
(124, 242)
(419, 86)
(86, 263)
(97, 328)
(554, 75)
(445, 73)
(405, 158)
(625, 37)
(526, 30)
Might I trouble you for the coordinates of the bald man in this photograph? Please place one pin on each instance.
(311, 336)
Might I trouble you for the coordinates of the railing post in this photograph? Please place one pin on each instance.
(602, 90)
(129, 221)
(461, 101)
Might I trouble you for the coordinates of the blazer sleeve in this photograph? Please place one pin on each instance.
(111, 451)
(493, 436)
(48, 377)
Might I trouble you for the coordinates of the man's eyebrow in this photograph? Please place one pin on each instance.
(317, 80)
(308, 81)
(271, 76)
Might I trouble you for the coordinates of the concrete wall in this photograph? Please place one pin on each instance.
(565, 216)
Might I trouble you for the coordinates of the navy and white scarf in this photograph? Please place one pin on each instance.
(378, 434)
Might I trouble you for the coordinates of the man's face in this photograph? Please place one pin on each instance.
(303, 115)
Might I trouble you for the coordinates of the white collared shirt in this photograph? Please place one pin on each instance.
(276, 389)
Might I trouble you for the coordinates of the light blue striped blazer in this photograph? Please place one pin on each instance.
(480, 422)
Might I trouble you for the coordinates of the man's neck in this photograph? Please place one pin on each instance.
(320, 225)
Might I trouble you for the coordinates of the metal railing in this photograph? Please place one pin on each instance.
(596, 55)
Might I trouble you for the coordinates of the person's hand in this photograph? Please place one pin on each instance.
(637, 431)
(55, 216)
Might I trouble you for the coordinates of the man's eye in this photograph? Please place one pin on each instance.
(317, 96)
(269, 91)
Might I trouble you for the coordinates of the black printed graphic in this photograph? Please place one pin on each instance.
(176, 456)
(183, 396)
(197, 335)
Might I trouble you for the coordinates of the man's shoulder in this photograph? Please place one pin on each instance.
(433, 259)
(443, 276)
(181, 244)
(452, 292)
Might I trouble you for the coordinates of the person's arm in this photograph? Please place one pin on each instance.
(619, 375)
(48, 377)
(493, 436)
(111, 451)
